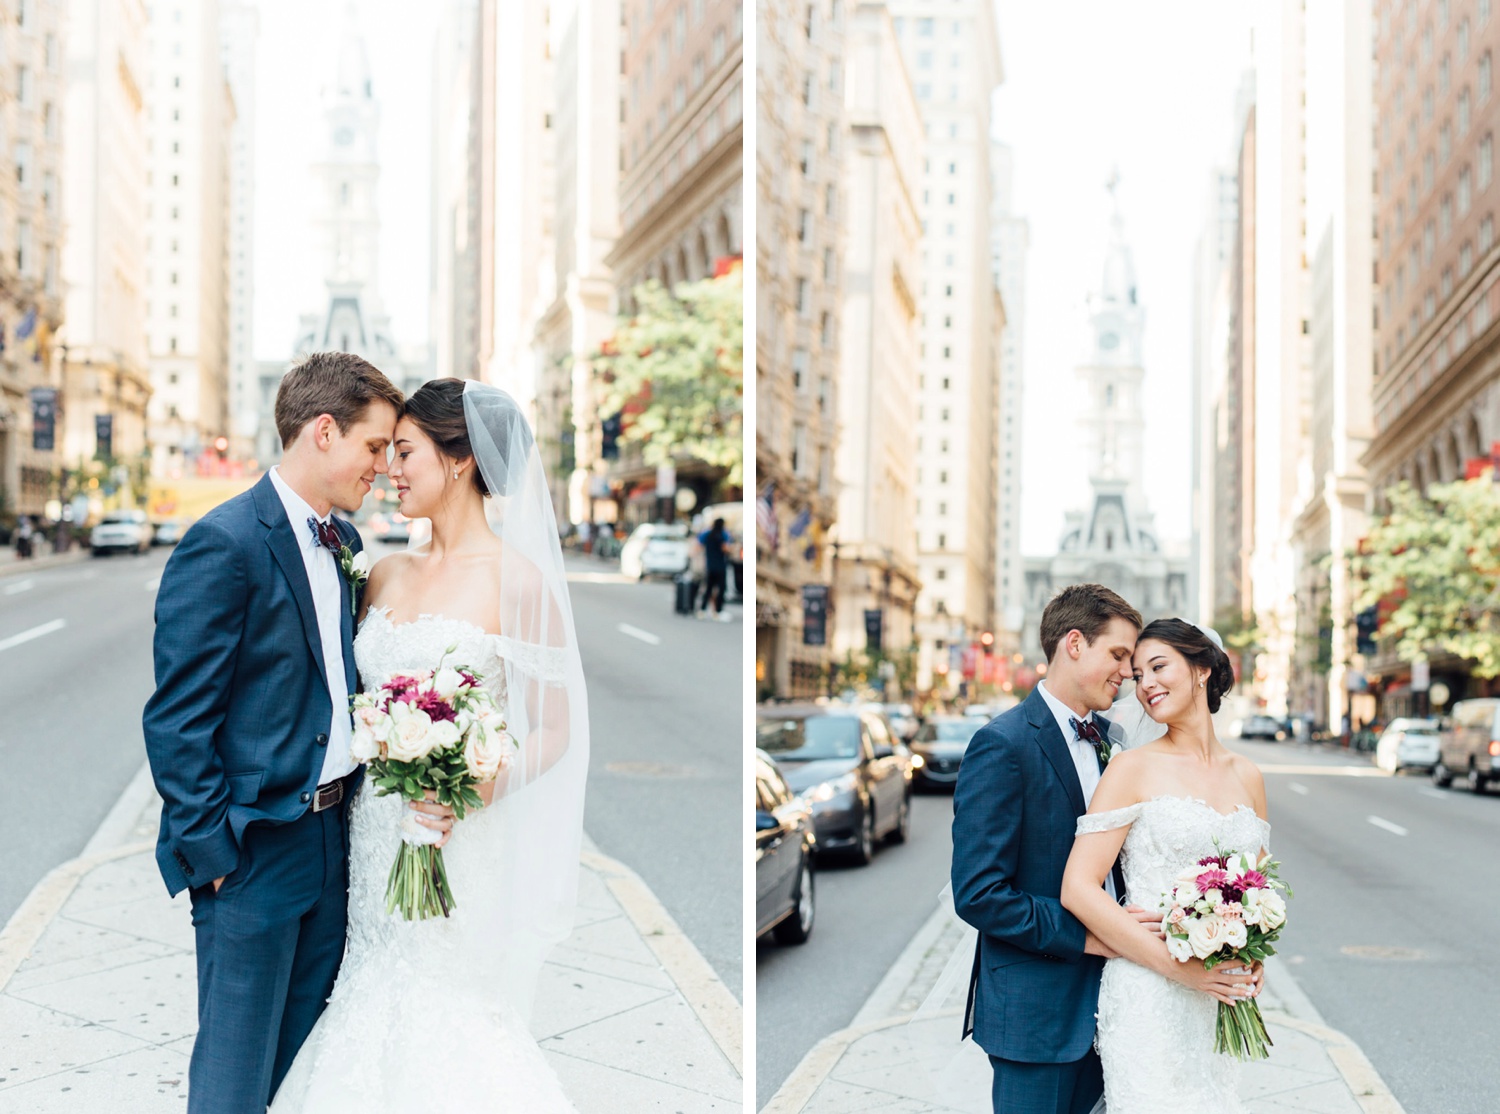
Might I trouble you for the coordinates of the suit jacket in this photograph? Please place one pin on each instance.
(236, 729)
(1034, 992)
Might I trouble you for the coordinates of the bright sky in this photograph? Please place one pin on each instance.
(296, 53)
(1089, 85)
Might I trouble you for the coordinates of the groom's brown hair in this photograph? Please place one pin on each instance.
(338, 384)
(1087, 608)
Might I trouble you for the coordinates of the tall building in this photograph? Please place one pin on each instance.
(514, 123)
(874, 555)
(1332, 486)
(1282, 392)
(239, 29)
(801, 212)
(586, 50)
(189, 120)
(681, 174)
(106, 384)
(1114, 540)
(1436, 390)
(1010, 239)
(453, 283)
(346, 229)
(31, 306)
(952, 51)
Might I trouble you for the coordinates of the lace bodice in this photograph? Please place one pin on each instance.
(1156, 1037)
(398, 976)
(1168, 833)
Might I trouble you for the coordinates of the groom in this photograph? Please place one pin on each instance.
(248, 731)
(1026, 778)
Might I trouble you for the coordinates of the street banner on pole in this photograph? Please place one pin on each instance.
(43, 418)
(814, 614)
(874, 630)
(104, 435)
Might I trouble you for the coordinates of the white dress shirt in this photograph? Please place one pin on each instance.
(324, 578)
(1085, 758)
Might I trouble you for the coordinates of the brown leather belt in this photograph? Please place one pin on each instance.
(328, 795)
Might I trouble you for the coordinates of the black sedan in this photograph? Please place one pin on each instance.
(784, 846)
(845, 763)
(940, 746)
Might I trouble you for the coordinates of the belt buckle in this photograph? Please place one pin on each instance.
(328, 795)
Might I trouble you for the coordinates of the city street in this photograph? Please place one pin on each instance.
(865, 917)
(1371, 858)
(75, 652)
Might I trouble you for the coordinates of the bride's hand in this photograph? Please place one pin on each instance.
(1147, 917)
(432, 815)
(1222, 983)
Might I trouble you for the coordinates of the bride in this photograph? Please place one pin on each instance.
(1164, 803)
(433, 1014)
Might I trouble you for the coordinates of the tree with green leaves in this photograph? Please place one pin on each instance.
(680, 357)
(1436, 558)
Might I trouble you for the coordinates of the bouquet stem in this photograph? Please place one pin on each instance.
(418, 883)
(1241, 1032)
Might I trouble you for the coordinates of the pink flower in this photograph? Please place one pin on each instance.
(435, 706)
(1220, 861)
(1212, 880)
(1230, 910)
(1252, 880)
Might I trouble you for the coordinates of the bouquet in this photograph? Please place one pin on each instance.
(429, 731)
(1228, 907)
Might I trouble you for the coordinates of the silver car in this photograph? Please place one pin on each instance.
(121, 532)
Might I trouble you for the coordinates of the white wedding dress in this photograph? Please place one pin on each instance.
(1156, 1037)
(405, 1030)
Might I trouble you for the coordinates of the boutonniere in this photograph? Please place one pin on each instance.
(356, 570)
(1108, 751)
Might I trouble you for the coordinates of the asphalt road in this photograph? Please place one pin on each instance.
(1390, 932)
(664, 786)
(865, 918)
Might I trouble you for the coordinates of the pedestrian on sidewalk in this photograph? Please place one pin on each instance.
(25, 538)
(715, 543)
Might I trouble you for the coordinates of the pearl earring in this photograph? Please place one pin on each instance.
(455, 473)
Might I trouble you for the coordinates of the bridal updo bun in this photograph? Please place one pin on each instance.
(1200, 652)
(438, 409)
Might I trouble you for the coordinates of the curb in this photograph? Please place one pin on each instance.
(699, 983)
(38, 564)
(1298, 1012)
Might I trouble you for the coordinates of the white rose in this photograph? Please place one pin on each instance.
(442, 735)
(1272, 910)
(364, 747)
(410, 740)
(361, 564)
(447, 682)
(1236, 935)
(1180, 947)
(1206, 935)
(487, 751)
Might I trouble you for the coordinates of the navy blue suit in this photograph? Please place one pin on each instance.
(1034, 992)
(236, 732)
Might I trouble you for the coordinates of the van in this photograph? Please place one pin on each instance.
(1471, 750)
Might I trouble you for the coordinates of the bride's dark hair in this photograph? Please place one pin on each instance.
(438, 409)
(1199, 650)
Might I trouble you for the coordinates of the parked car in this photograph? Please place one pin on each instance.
(845, 763)
(1408, 743)
(1262, 727)
(941, 744)
(655, 549)
(397, 531)
(1472, 749)
(982, 712)
(785, 842)
(121, 532)
(169, 531)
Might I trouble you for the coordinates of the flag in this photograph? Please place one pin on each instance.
(800, 523)
(765, 513)
(27, 325)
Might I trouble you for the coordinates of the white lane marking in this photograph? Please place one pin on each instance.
(1323, 771)
(153, 584)
(19, 586)
(1429, 791)
(1298, 788)
(34, 632)
(1396, 829)
(636, 632)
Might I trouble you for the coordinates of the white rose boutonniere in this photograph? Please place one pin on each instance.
(356, 570)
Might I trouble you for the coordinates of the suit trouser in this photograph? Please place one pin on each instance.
(269, 945)
(1046, 1088)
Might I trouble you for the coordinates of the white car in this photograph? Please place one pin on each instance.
(1408, 742)
(123, 531)
(655, 549)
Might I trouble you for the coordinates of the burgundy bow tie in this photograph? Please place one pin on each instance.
(1088, 733)
(326, 535)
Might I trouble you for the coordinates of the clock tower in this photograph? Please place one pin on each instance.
(347, 222)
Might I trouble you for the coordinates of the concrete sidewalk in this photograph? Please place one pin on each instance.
(887, 1062)
(98, 1000)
